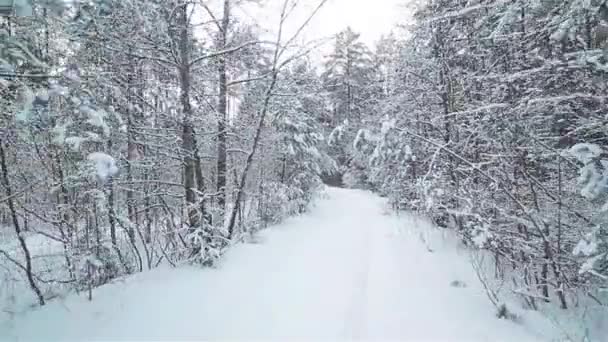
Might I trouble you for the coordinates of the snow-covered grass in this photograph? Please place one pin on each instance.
(48, 261)
(347, 269)
(584, 320)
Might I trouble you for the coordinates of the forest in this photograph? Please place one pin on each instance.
(140, 133)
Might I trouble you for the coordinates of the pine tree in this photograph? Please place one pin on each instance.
(347, 78)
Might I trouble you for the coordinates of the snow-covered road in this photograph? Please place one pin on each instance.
(347, 270)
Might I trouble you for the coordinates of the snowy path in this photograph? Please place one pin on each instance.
(344, 271)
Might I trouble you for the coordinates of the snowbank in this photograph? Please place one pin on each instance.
(346, 270)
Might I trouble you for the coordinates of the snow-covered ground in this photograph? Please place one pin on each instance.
(346, 270)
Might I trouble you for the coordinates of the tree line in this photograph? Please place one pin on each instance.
(491, 121)
(135, 133)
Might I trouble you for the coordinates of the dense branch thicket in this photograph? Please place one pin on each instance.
(494, 126)
(130, 129)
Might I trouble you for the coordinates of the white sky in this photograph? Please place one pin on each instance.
(370, 18)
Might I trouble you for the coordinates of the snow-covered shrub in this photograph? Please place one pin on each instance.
(356, 173)
(593, 180)
(97, 266)
(594, 249)
(354, 179)
(593, 176)
(272, 202)
(278, 201)
(307, 187)
(205, 244)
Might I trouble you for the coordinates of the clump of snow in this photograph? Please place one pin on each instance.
(381, 142)
(27, 100)
(299, 138)
(362, 135)
(75, 142)
(105, 165)
(562, 32)
(590, 248)
(96, 117)
(409, 155)
(585, 153)
(335, 135)
(59, 133)
(387, 126)
(590, 264)
(482, 238)
(57, 90)
(585, 248)
(593, 176)
(290, 149)
(72, 73)
(6, 68)
(43, 95)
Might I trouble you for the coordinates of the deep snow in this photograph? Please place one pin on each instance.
(346, 270)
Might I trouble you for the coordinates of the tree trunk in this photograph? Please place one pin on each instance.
(222, 109)
(13, 212)
(131, 156)
(188, 140)
(249, 162)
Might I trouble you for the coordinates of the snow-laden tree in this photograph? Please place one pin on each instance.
(488, 96)
(303, 157)
(593, 181)
(347, 79)
(109, 109)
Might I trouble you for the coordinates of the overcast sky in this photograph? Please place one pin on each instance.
(371, 18)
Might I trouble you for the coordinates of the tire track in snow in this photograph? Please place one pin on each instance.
(356, 322)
